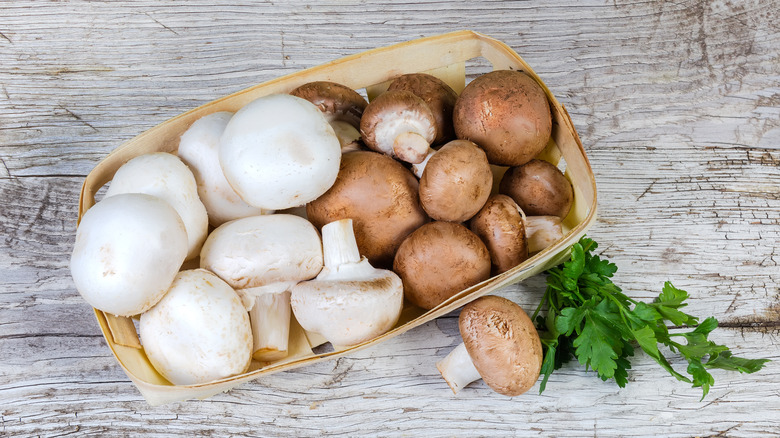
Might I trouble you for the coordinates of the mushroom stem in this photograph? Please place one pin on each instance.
(542, 231)
(458, 369)
(270, 319)
(338, 244)
(419, 168)
(347, 134)
(410, 146)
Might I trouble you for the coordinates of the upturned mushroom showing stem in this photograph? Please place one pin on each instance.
(500, 345)
(350, 301)
(262, 257)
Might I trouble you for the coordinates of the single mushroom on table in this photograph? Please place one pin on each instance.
(350, 301)
(262, 257)
(199, 150)
(165, 176)
(198, 332)
(510, 235)
(128, 250)
(507, 114)
(342, 106)
(539, 188)
(398, 124)
(279, 151)
(439, 97)
(381, 197)
(456, 181)
(438, 260)
(500, 345)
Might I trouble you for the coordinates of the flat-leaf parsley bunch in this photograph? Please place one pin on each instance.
(589, 317)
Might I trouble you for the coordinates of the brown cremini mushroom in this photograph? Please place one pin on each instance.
(500, 345)
(381, 197)
(507, 114)
(500, 226)
(455, 182)
(341, 105)
(539, 188)
(399, 124)
(439, 97)
(438, 260)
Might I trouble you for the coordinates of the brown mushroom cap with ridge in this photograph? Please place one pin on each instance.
(503, 344)
(380, 196)
(439, 260)
(399, 124)
(336, 101)
(500, 226)
(456, 182)
(507, 114)
(439, 96)
(539, 188)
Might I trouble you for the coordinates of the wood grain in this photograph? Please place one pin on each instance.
(678, 105)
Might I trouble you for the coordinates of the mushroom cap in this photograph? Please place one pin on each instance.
(263, 250)
(501, 227)
(279, 151)
(539, 188)
(198, 332)
(128, 250)
(439, 260)
(336, 101)
(503, 344)
(199, 150)
(439, 97)
(397, 123)
(165, 176)
(351, 309)
(380, 196)
(507, 114)
(456, 182)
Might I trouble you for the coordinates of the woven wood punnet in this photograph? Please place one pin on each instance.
(444, 56)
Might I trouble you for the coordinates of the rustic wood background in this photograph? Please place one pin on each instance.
(677, 104)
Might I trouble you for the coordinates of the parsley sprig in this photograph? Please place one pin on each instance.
(590, 318)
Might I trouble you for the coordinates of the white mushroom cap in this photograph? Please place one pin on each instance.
(167, 177)
(261, 251)
(350, 301)
(199, 149)
(279, 151)
(198, 332)
(127, 252)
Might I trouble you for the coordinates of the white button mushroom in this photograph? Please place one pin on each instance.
(198, 332)
(199, 149)
(262, 257)
(127, 252)
(349, 302)
(167, 177)
(279, 152)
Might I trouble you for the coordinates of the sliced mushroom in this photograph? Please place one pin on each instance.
(127, 252)
(199, 150)
(167, 177)
(262, 257)
(380, 196)
(279, 151)
(398, 124)
(455, 182)
(342, 106)
(539, 188)
(350, 301)
(507, 114)
(500, 345)
(199, 332)
(438, 260)
(439, 97)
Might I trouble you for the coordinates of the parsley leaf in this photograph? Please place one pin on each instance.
(590, 318)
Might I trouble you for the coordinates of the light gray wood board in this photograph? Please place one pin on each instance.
(678, 105)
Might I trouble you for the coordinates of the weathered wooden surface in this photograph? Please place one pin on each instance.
(678, 105)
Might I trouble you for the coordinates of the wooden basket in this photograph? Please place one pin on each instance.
(444, 56)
